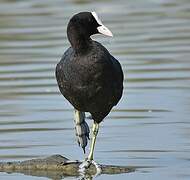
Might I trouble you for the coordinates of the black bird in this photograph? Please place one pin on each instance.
(88, 76)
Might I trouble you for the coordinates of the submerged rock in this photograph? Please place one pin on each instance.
(57, 167)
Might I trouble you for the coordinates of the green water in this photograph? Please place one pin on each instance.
(150, 127)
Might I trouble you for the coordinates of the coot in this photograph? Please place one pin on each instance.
(88, 76)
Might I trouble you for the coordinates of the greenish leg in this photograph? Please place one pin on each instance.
(95, 129)
(83, 166)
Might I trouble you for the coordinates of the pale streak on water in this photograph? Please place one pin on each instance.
(150, 127)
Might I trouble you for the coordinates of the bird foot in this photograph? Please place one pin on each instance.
(86, 164)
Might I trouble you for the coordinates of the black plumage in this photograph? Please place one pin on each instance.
(88, 76)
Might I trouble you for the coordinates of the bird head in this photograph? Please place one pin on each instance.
(87, 24)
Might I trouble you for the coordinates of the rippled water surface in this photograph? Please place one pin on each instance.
(150, 127)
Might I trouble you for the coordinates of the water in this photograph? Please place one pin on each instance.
(150, 127)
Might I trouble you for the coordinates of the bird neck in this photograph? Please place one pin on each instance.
(80, 42)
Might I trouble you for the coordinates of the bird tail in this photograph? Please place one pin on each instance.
(81, 129)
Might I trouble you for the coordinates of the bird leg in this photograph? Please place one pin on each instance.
(90, 158)
(81, 129)
(95, 129)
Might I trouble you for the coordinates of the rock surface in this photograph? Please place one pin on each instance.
(57, 167)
